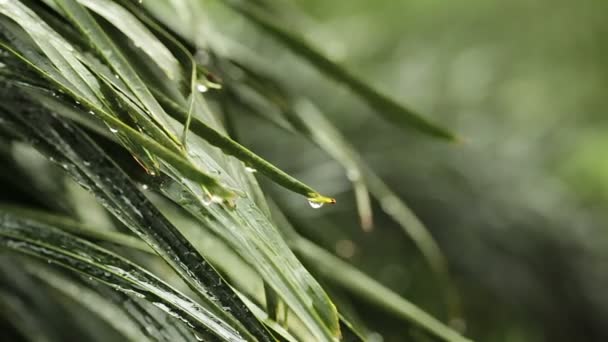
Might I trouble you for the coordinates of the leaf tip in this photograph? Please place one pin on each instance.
(317, 200)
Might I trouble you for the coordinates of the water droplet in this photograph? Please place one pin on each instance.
(91, 112)
(314, 204)
(201, 88)
(250, 169)
(144, 186)
(198, 338)
(113, 130)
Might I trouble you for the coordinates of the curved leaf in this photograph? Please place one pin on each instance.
(94, 170)
(27, 236)
(108, 50)
(353, 280)
(233, 148)
(72, 83)
(139, 34)
(384, 105)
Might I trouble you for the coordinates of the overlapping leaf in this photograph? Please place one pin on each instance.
(246, 228)
(25, 235)
(83, 58)
(383, 104)
(92, 169)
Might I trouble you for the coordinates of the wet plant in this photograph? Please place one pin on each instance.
(134, 204)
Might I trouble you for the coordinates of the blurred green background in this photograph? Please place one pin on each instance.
(518, 208)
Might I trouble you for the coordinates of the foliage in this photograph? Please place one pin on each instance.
(169, 236)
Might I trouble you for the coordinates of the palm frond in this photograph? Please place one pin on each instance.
(112, 96)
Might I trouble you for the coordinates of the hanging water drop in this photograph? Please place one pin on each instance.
(201, 88)
(113, 130)
(314, 204)
(250, 169)
(144, 186)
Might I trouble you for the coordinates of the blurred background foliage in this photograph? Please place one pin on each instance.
(517, 209)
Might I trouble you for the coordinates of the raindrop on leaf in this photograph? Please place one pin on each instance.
(201, 88)
(314, 204)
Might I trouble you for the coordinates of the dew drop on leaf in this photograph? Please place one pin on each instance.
(250, 169)
(314, 204)
(201, 88)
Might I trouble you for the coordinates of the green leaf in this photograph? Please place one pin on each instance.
(233, 148)
(60, 53)
(109, 52)
(247, 229)
(139, 35)
(304, 119)
(85, 162)
(25, 235)
(250, 233)
(257, 237)
(73, 227)
(347, 277)
(320, 130)
(74, 83)
(94, 301)
(383, 104)
(342, 274)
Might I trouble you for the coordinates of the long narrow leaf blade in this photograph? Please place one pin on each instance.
(83, 159)
(383, 104)
(29, 237)
(353, 280)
